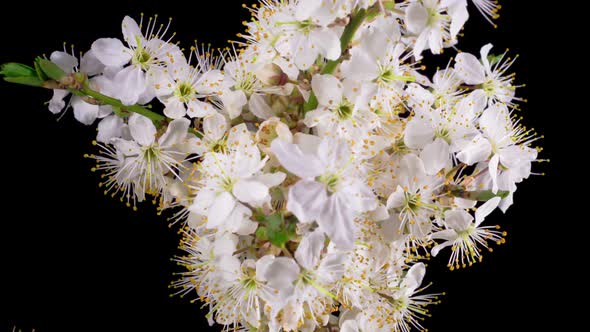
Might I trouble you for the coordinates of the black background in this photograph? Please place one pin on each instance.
(75, 260)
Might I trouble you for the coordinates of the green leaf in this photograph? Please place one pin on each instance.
(31, 81)
(13, 69)
(477, 195)
(50, 69)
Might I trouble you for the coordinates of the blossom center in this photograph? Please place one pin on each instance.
(184, 91)
(330, 180)
(142, 58)
(344, 111)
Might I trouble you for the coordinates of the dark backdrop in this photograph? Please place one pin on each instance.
(74, 260)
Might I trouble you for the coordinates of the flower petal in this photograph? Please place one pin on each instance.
(111, 52)
(469, 69)
(303, 165)
(309, 249)
(251, 192)
(130, 84)
(485, 210)
(131, 31)
(306, 200)
(84, 112)
(222, 206)
(175, 134)
(328, 89)
(142, 129)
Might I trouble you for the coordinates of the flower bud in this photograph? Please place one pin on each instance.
(270, 130)
(272, 74)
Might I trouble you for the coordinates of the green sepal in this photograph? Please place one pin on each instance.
(39, 71)
(275, 229)
(30, 81)
(13, 69)
(493, 59)
(478, 195)
(50, 69)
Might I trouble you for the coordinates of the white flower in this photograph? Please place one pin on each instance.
(242, 87)
(329, 191)
(305, 282)
(503, 144)
(230, 180)
(467, 237)
(143, 53)
(489, 77)
(338, 113)
(439, 133)
(203, 260)
(413, 200)
(139, 165)
(84, 112)
(180, 85)
(435, 23)
(303, 40)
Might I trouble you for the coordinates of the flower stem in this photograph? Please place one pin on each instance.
(158, 119)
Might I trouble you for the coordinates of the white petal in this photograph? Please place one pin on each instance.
(174, 109)
(337, 221)
(396, 199)
(470, 69)
(414, 276)
(436, 156)
(110, 127)
(130, 85)
(493, 170)
(259, 107)
(131, 31)
(309, 250)
(84, 112)
(327, 41)
(199, 109)
(295, 161)
(175, 134)
(332, 267)
(484, 52)
(163, 84)
(233, 102)
(485, 210)
(281, 273)
(418, 133)
(142, 129)
(307, 200)
(57, 103)
(328, 89)
(459, 16)
(222, 206)
(495, 123)
(476, 150)
(90, 64)
(248, 191)
(111, 52)
(210, 82)
(65, 61)
(436, 249)
(271, 179)
(416, 17)
(215, 126)
(458, 219)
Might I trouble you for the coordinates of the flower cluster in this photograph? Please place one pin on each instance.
(313, 165)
